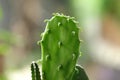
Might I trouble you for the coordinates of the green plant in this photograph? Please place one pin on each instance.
(6, 40)
(60, 50)
(1, 13)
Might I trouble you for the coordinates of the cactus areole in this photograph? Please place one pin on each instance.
(60, 48)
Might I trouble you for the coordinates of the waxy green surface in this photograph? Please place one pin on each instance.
(60, 48)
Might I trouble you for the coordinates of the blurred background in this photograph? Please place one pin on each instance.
(22, 22)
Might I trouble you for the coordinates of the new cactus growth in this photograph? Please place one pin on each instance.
(35, 71)
(60, 49)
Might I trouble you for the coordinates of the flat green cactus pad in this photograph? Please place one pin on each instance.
(60, 48)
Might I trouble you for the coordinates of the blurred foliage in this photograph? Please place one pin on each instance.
(3, 77)
(1, 13)
(112, 7)
(84, 9)
(87, 8)
(6, 40)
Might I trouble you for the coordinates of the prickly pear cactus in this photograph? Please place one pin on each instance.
(35, 71)
(60, 48)
(79, 73)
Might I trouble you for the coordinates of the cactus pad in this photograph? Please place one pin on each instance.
(60, 48)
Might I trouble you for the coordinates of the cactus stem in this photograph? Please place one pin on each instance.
(38, 77)
(35, 71)
(59, 38)
(32, 71)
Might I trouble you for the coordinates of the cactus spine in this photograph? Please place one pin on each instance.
(60, 48)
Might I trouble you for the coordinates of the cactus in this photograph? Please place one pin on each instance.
(79, 74)
(35, 71)
(60, 49)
